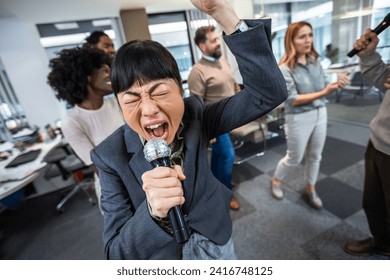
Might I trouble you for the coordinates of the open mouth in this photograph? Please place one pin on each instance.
(157, 130)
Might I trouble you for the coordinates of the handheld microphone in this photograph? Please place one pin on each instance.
(382, 26)
(158, 153)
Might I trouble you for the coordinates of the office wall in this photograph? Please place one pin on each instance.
(26, 64)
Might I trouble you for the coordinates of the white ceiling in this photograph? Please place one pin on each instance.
(45, 11)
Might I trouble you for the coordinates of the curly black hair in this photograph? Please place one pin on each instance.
(70, 71)
(94, 38)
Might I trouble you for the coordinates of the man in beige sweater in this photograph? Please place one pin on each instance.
(212, 78)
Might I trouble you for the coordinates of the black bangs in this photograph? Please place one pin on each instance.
(142, 62)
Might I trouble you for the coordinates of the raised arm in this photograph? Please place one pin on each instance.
(372, 66)
(221, 11)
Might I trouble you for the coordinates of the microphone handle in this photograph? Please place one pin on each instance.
(179, 227)
(176, 218)
(352, 52)
(377, 30)
(382, 26)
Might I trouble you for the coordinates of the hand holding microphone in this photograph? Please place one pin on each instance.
(163, 188)
(367, 43)
(368, 37)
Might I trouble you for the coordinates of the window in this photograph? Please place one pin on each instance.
(61, 35)
(170, 29)
(336, 24)
(176, 32)
(12, 117)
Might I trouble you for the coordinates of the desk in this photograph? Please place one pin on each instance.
(9, 187)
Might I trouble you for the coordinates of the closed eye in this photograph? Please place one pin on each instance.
(130, 97)
(131, 101)
(159, 93)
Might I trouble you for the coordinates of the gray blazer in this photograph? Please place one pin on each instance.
(129, 231)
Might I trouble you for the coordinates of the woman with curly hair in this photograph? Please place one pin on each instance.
(81, 77)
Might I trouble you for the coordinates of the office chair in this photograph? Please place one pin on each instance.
(358, 86)
(280, 115)
(257, 131)
(64, 162)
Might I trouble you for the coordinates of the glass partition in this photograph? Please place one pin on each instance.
(12, 117)
(336, 24)
(171, 30)
(60, 35)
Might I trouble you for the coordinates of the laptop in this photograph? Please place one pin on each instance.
(24, 158)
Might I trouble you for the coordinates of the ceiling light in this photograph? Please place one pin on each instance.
(359, 13)
(67, 25)
(167, 27)
(101, 22)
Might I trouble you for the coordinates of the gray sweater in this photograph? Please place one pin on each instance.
(375, 71)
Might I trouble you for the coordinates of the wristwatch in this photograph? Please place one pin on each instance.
(241, 26)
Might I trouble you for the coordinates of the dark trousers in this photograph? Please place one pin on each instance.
(222, 159)
(376, 194)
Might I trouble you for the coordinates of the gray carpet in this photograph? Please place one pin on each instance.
(339, 198)
(36, 230)
(339, 154)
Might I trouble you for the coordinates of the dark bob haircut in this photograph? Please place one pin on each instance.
(142, 62)
(70, 71)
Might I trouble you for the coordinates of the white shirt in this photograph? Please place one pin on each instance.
(85, 129)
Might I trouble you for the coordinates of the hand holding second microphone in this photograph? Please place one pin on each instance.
(367, 43)
(368, 37)
(163, 189)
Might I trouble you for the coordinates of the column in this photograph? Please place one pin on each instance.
(135, 24)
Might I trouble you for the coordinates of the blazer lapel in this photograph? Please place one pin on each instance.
(138, 164)
(191, 142)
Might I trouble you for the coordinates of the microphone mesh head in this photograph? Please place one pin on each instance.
(156, 148)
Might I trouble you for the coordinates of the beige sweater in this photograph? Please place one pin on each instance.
(212, 80)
